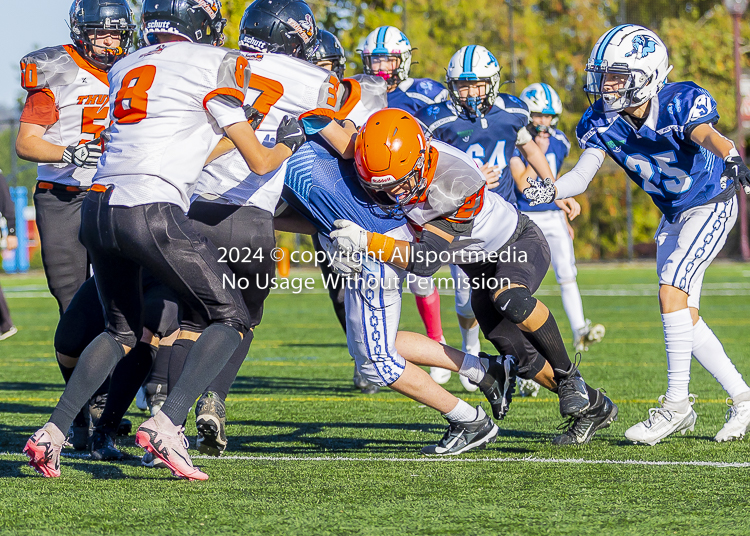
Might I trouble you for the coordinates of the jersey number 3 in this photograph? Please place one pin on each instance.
(132, 99)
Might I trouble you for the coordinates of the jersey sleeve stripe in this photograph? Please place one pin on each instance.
(318, 111)
(354, 97)
(232, 92)
(86, 66)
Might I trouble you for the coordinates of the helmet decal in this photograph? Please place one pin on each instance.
(211, 7)
(642, 46)
(304, 28)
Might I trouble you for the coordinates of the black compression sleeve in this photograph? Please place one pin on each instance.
(425, 255)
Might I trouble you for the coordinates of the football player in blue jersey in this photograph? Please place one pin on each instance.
(387, 53)
(545, 107)
(487, 125)
(662, 134)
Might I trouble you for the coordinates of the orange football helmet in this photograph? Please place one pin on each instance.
(390, 150)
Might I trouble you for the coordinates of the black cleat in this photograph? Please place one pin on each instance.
(463, 436)
(96, 407)
(499, 382)
(103, 447)
(210, 421)
(583, 427)
(571, 389)
(125, 428)
(80, 431)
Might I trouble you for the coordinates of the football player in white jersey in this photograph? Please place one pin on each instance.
(443, 195)
(545, 106)
(234, 207)
(66, 108)
(172, 103)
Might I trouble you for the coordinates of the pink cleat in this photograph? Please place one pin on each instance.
(44, 451)
(168, 443)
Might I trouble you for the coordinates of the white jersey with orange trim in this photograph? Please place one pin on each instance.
(457, 192)
(367, 95)
(170, 103)
(77, 107)
(279, 86)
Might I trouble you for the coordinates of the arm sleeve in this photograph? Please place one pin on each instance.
(576, 180)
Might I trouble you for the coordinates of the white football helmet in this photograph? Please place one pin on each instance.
(474, 63)
(390, 42)
(542, 99)
(638, 56)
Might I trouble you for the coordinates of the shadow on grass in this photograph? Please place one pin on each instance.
(294, 385)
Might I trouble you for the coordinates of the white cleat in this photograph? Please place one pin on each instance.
(738, 419)
(470, 387)
(528, 387)
(662, 422)
(588, 335)
(440, 375)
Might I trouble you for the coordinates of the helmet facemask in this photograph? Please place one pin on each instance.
(616, 100)
(393, 77)
(475, 106)
(403, 203)
(89, 21)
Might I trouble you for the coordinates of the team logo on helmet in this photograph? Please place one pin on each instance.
(531, 94)
(305, 29)
(643, 45)
(211, 7)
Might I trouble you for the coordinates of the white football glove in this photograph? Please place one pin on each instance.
(540, 191)
(342, 264)
(349, 237)
(84, 155)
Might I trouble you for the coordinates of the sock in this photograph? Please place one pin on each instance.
(224, 380)
(180, 350)
(128, 376)
(205, 360)
(160, 370)
(463, 412)
(571, 298)
(548, 342)
(470, 340)
(473, 368)
(429, 310)
(678, 339)
(709, 352)
(94, 365)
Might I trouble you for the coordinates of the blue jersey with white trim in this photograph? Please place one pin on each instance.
(487, 140)
(415, 93)
(557, 152)
(324, 188)
(660, 157)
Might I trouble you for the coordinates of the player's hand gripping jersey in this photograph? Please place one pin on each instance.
(487, 140)
(456, 202)
(170, 103)
(557, 152)
(279, 86)
(70, 97)
(660, 157)
(366, 94)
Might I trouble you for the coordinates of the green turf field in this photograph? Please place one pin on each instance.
(308, 454)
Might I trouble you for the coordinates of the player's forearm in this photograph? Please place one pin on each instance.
(707, 137)
(341, 138)
(35, 149)
(536, 159)
(576, 180)
(422, 258)
(260, 159)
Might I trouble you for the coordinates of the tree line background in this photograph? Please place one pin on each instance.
(551, 41)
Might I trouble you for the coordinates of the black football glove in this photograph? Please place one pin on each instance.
(254, 117)
(290, 133)
(540, 191)
(84, 155)
(736, 170)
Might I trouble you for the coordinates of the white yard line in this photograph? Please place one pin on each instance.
(531, 459)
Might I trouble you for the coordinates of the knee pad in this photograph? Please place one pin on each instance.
(515, 304)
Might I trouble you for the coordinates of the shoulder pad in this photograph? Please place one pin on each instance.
(686, 103)
(234, 74)
(427, 87)
(434, 116)
(560, 136)
(374, 91)
(47, 67)
(512, 105)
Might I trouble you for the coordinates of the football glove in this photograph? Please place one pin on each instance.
(736, 170)
(341, 264)
(349, 237)
(84, 155)
(253, 116)
(540, 191)
(290, 133)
